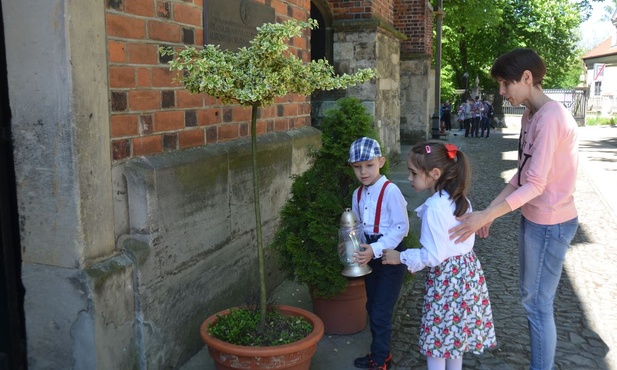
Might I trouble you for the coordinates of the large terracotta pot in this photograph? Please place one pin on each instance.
(345, 313)
(292, 356)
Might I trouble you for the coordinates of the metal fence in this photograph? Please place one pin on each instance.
(575, 100)
(602, 104)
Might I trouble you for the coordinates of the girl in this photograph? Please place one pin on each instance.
(456, 315)
(543, 187)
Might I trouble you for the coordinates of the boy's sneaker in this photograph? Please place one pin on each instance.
(384, 366)
(366, 362)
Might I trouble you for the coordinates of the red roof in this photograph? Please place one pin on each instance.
(604, 49)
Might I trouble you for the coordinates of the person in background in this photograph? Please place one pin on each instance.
(476, 114)
(468, 117)
(543, 188)
(446, 117)
(488, 110)
(460, 116)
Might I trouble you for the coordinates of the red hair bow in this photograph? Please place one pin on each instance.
(451, 149)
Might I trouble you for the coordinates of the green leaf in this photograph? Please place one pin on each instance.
(260, 73)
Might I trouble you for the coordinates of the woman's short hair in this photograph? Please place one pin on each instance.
(511, 65)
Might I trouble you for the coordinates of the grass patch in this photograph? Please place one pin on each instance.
(600, 121)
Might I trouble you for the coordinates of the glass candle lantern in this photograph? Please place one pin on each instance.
(351, 236)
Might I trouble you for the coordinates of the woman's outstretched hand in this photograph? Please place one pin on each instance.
(474, 222)
(483, 232)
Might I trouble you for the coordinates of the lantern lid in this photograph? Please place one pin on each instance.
(348, 219)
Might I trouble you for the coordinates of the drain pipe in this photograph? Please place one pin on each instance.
(436, 118)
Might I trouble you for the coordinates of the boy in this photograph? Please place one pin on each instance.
(382, 210)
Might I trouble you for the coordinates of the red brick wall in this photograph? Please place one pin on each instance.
(414, 18)
(344, 9)
(150, 113)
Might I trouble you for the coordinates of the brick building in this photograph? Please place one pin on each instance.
(132, 218)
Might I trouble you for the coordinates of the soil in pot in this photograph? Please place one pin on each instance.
(292, 356)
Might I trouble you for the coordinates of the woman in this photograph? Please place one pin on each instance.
(542, 188)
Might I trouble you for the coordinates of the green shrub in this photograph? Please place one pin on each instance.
(306, 241)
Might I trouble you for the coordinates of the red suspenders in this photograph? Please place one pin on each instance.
(379, 201)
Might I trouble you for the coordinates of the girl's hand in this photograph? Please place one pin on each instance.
(391, 257)
(364, 256)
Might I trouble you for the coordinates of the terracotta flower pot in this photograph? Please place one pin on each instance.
(292, 356)
(345, 313)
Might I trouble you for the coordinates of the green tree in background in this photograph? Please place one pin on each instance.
(476, 32)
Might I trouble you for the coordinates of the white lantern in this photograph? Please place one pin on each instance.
(351, 235)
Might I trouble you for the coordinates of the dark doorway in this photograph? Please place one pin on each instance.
(12, 329)
(321, 48)
(318, 36)
(321, 38)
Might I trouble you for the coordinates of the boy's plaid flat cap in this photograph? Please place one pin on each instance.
(364, 149)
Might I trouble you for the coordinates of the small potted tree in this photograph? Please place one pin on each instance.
(254, 76)
(307, 238)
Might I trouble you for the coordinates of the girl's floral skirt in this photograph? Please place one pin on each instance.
(457, 315)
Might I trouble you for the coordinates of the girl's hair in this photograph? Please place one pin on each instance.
(455, 172)
(511, 65)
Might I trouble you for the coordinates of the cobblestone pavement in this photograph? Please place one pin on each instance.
(585, 310)
(585, 305)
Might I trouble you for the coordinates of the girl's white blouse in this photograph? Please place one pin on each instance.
(437, 217)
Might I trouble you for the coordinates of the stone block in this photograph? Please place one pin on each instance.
(110, 283)
(56, 337)
(81, 319)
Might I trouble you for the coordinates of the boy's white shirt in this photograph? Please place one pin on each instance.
(437, 217)
(394, 223)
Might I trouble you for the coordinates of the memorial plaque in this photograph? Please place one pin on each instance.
(233, 23)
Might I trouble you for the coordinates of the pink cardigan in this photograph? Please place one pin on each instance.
(547, 166)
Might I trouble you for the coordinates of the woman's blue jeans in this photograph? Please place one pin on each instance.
(542, 250)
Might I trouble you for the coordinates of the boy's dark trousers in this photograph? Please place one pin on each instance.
(383, 287)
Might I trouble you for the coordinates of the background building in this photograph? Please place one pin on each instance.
(601, 78)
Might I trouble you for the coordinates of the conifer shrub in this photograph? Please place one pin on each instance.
(307, 238)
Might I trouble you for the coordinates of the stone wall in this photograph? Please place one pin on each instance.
(387, 102)
(370, 45)
(190, 252)
(192, 234)
(417, 98)
(415, 19)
